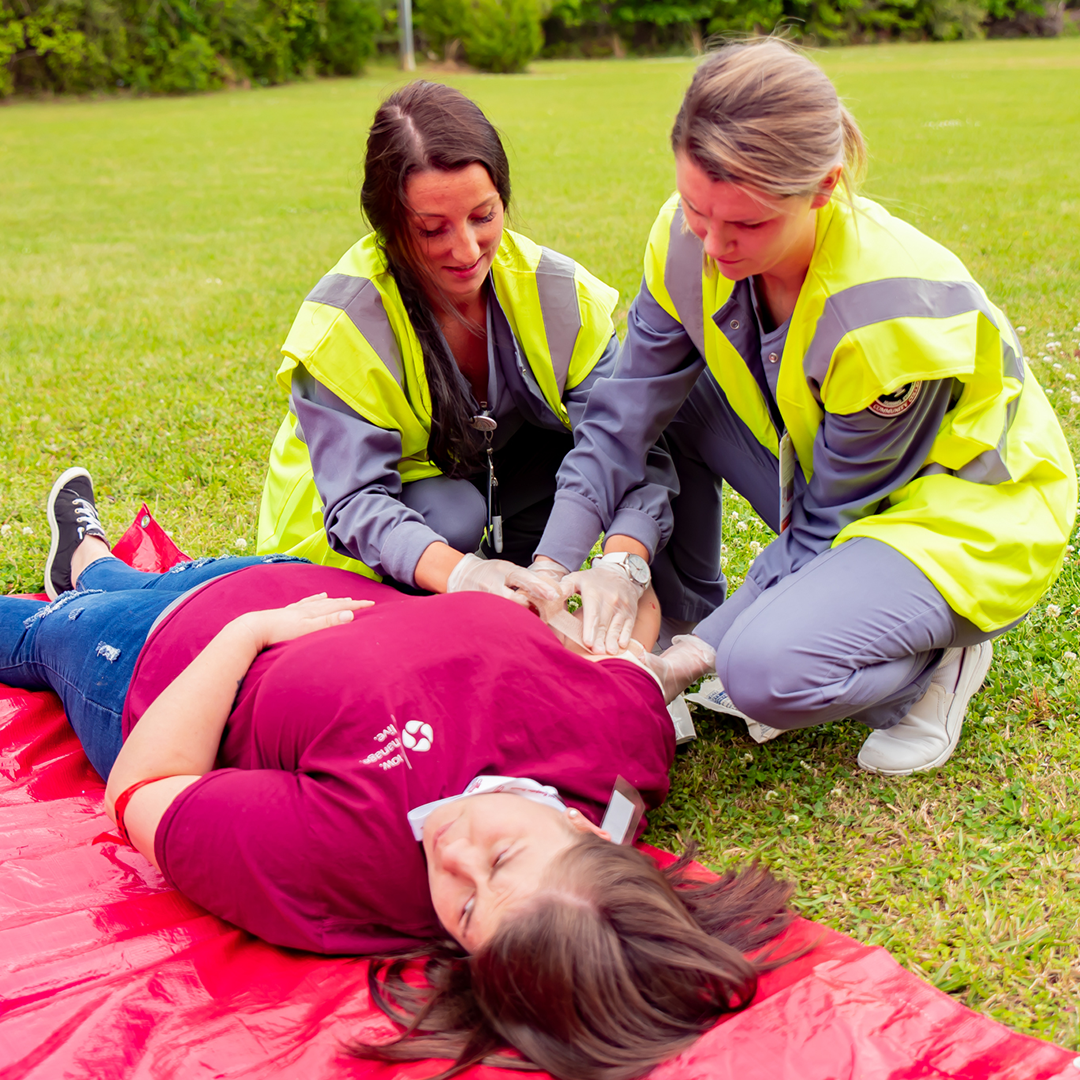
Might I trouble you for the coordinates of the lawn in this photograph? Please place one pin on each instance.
(154, 252)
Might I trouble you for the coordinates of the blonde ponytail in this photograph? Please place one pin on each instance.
(761, 115)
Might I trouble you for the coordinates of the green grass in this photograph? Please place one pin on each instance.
(154, 252)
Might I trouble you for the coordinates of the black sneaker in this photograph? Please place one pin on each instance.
(72, 517)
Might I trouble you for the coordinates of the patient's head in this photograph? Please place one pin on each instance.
(610, 968)
(489, 854)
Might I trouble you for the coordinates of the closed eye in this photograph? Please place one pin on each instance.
(502, 859)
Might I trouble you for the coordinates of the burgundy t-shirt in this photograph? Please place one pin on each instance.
(301, 834)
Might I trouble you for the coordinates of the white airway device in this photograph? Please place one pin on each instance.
(488, 785)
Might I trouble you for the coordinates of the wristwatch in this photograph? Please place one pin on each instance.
(637, 569)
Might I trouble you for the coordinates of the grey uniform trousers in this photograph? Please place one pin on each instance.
(856, 631)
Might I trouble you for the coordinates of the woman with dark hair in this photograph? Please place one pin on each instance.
(437, 372)
(386, 773)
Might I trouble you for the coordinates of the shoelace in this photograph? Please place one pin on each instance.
(86, 516)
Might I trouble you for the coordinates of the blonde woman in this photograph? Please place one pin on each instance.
(848, 377)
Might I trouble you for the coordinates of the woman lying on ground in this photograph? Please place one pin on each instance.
(311, 769)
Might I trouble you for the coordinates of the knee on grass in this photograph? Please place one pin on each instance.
(770, 683)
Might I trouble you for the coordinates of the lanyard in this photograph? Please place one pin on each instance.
(493, 533)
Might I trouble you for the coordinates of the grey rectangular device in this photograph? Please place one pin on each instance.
(624, 810)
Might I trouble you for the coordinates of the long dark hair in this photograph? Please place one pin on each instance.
(429, 126)
(614, 967)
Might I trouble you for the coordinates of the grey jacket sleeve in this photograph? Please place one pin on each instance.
(616, 479)
(859, 459)
(355, 465)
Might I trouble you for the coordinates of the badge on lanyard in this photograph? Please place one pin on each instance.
(787, 479)
(494, 530)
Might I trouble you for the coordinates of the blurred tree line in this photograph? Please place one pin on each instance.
(619, 27)
(178, 46)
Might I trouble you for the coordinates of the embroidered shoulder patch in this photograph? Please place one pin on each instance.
(899, 401)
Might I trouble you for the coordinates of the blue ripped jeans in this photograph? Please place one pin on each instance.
(85, 643)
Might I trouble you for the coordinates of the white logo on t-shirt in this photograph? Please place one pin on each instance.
(418, 736)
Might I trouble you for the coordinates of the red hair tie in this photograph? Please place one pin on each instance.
(121, 804)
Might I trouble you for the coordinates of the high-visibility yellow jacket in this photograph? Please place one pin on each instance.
(353, 335)
(988, 517)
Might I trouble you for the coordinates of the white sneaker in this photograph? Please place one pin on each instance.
(926, 737)
(712, 695)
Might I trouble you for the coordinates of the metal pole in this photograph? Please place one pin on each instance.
(408, 57)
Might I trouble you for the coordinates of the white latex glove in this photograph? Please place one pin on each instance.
(549, 600)
(549, 568)
(609, 602)
(684, 662)
(474, 574)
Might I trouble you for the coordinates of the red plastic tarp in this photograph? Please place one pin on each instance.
(107, 974)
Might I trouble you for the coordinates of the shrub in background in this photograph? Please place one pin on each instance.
(177, 46)
(494, 35)
(501, 35)
(440, 23)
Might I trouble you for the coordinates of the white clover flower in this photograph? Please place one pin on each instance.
(791, 819)
(742, 526)
(808, 768)
(4, 530)
(27, 531)
(1075, 399)
(755, 548)
(770, 795)
(1021, 329)
(241, 542)
(1069, 655)
(1057, 367)
(1069, 548)
(1070, 376)
(1053, 611)
(837, 792)
(734, 515)
(723, 549)
(748, 757)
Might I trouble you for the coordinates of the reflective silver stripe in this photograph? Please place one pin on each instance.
(1012, 364)
(906, 298)
(988, 468)
(559, 308)
(361, 301)
(682, 279)
(880, 301)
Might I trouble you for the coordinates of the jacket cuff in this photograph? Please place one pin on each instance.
(638, 526)
(571, 530)
(403, 547)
